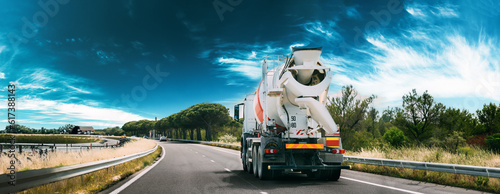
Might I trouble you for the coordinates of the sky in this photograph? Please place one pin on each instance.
(103, 63)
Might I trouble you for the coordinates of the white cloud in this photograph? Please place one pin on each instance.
(457, 68)
(422, 11)
(415, 11)
(445, 12)
(253, 55)
(353, 13)
(78, 89)
(76, 112)
(2, 75)
(247, 68)
(325, 30)
(2, 48)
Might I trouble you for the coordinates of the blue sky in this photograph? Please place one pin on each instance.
(103, 63)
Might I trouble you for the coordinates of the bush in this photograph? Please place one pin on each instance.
(395, 137)
(493, 142)
(359, 140)
(467, 151)
(228, 138)
(453, 142)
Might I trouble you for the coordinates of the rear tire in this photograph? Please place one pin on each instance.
(331, 175)
(335, 175)
(255, 160)
(244, 161)
(264, 172)
(249, 167)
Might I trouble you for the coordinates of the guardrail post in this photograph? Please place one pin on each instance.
(106, 145)
(1, 148)
(20, 148)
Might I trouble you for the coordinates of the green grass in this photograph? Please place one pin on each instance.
(99, 180)
(48, 138)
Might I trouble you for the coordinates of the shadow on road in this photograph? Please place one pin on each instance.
(242, 180)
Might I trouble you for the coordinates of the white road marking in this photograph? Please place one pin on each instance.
(227, 169)
(223, 150)
(263, 192)
(212, 161)
(378, 185)
(124, 186)
(203, 155)
(195, 152)
(226, 151)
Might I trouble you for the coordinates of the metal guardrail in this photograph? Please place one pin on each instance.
(439, 167)
(33, 178)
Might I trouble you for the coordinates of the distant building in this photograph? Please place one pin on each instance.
(82, 130)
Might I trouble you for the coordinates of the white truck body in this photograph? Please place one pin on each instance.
(285, 118)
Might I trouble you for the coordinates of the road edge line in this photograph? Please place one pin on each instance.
(379, 185)
(128, 183)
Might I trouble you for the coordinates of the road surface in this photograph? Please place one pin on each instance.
(195, 168)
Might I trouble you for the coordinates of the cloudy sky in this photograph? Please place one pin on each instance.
(103, 63)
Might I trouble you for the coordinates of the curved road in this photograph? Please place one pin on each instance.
(195, 168)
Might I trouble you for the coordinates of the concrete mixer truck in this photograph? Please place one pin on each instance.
(286, 126)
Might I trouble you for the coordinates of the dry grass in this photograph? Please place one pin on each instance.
(230, 143)
(99, 180)
(471, 156)
(27, 161)
(465, 156)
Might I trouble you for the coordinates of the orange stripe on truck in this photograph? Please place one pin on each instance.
(305, 146)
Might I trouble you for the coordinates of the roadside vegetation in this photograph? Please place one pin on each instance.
(203, 122)
(421, 130)
(48, 138)
(31, 161)
(99, 180)
(468, 156)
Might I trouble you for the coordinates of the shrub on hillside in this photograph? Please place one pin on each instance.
(228, 138)
(454, 141)
(395, 137)
(493, 142)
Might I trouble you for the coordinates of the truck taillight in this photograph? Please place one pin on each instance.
(338, 151)
(271, 151)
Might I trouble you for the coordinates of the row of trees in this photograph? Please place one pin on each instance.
(27, 130)
(421, 121)
(205, 121)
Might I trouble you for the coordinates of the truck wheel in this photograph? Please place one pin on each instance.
(264, 173)
(244, 161)
(249, 164)
(335, 175)
(331, 175)
(255, 160)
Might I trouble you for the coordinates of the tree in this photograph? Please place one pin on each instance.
(347, 111)
(372, 119)
(456, 120)
(493, 142)
(419, 115)
(395, 137)
(489, 117)
(66, 128)
(210, 116)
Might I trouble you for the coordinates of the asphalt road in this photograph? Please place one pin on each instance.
(194, 168)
